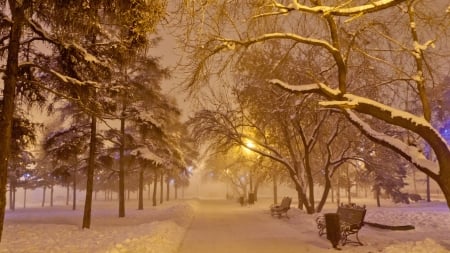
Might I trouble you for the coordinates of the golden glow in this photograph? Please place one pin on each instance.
(249, 144)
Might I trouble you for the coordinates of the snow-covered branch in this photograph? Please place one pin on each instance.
(230, 43)
(341, 10)
(307, 88)
(411, 153)
(82, 52)
(61, 77)
(146, 154)
(388, 114)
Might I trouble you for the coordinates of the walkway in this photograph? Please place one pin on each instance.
(224, 226)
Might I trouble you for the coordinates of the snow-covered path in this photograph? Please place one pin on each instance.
(224, 226)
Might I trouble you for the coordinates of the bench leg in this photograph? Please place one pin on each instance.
(345, 239)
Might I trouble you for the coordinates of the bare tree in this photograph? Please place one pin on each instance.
(371, 55)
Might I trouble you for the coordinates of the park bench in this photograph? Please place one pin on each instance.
(351, 220)
(282, 208)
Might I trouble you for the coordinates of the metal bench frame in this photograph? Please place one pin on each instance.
(282, 208)
(351, 220)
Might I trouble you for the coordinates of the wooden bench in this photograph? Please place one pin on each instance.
(282, 208)
(351, 220)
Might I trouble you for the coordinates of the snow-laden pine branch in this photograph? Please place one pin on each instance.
(145, 153)
(82, 52)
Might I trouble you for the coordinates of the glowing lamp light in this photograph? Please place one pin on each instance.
(249, 144)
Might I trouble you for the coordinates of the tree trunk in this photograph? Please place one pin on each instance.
(377, 196)
(445, 188)
(90, 173)
(161, 188)
(43, 196)
(51, 195)
(338, 190)
(12, 198)
(141, 189)
(255, 189)
(167, 190)
(176, 191)
(325, 193)
(300, 198)
(332, 194)
(67, 194)
(122, 165)
(24, 197)
(275, 190)
(309, 177)
(9, 92)
(74, 193)
(155, 183)
(414, 180)
(250, 179)
(349, 187)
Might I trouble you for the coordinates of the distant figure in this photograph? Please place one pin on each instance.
(242, 200)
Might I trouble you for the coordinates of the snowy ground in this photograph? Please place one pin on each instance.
(58, 229)
(163, 228)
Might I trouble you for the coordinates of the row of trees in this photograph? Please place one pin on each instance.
(89, 63)
(318, 84)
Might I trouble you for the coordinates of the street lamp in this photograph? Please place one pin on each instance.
(248, 146)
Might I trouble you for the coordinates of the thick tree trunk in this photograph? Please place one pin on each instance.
(90, 174)
(309, 177)
(300, 198)
(155, 183)
(141, 189)
(9, 92)
(325, 193)
(444, 184)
